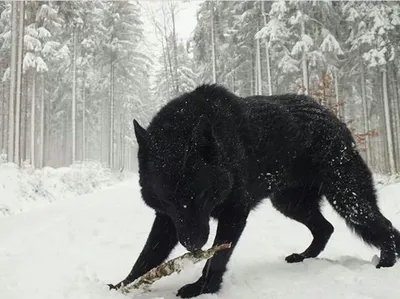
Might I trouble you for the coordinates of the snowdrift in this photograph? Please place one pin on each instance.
(24, 188)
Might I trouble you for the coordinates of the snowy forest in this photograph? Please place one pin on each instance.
(74, 74)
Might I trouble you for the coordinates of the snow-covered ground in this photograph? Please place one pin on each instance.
(22, 189)
(71, 249)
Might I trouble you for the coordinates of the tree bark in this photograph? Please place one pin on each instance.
(33, 106)
(365, 112)
(268, 59)
(213, 44)
(83, 120)
(111, 117)
(304, 61)
(258, 52)
(24, 117)
(74, 78)
(19, 84)
(167, 48)
(388, 124)
(13, 77)
(166, 67)
(42, 122)
(396, 115)
(4, 124)
(175, 48)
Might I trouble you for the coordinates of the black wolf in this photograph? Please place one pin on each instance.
(210, 153)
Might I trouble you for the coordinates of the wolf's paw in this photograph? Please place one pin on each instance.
(114, 287)
(295, 258)
(386, 261)
(198, 288)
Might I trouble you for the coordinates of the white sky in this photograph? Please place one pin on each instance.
(185, 24)
(185, 20)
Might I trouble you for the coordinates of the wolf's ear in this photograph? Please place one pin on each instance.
(142, 136)
(204, 140)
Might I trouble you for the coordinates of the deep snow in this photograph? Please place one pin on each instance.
(73, 248)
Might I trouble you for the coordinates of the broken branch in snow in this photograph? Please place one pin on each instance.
(172, 266)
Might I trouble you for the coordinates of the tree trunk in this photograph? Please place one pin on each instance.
(166, 68)
(253, 75)
(42, 114)
(74, 78)
(258, 52)
(388, 124)
(3, 120)
(13, 80)
(173, 79)
(233, 80)
(396, 113)
(268, 59)
(268, 68)
(175, 49)
(24, 143)
(122, 140)
(83, 120)
(304, 62)
(19, 84)
(213, 45)
(365, 112)
(339, 112)
(33, 106)
(111, 117)
(104, 132)
(63, 158)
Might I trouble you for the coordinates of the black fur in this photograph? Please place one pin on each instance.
(209, 153)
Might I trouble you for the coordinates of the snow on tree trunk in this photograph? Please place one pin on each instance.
(74, 78)
(213, 45)
(19, 83)
(33, 106)
(267, 56)
(388, 125)
(365, 112)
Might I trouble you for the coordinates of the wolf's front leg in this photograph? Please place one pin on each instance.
(231, 223)
(160, 242)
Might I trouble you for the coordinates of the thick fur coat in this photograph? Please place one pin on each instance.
(210, 153)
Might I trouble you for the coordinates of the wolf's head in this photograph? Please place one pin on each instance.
(182, 176)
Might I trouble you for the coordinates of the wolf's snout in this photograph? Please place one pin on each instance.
(193, 244)
(189, 245)
(195, 239)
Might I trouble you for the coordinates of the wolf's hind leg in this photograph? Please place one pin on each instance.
(303, 205)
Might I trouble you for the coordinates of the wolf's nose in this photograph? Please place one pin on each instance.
(189, 245)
